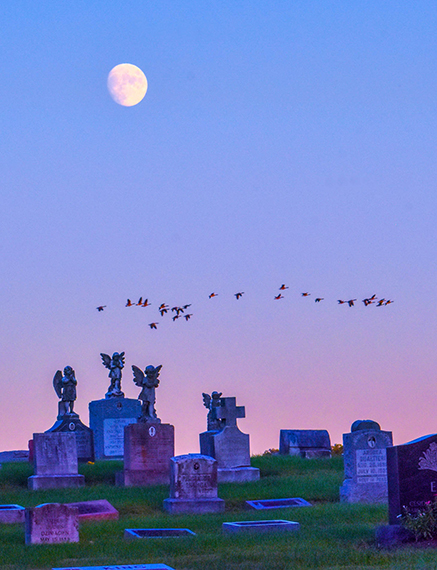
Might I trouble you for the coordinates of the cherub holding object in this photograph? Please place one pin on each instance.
(115, 366)
(65, 388)
(148, 381)
(212, 403)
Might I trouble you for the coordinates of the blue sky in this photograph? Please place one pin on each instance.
(278, 142)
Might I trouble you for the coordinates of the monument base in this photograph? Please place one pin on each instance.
(196, 506)
(41, 482)
(237, 475)
(369, 493)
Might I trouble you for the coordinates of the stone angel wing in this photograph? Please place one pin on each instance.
(206, 400)
(138, 375)
(156, 376)
(106, 359)
(57, 383)
(121, 358)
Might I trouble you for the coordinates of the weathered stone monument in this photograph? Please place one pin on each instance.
(308, 443)
(68, 421)
(193, 485)
(55, 461)
(148, 444)
(109, 416)
(365, 463)
(51, 523)
(225, 442)
(412, 476)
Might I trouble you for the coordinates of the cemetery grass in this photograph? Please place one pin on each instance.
(332, 535)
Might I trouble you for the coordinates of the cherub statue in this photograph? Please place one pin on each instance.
(212, 403)
(65, 388)
(114, 365)
(148, 381)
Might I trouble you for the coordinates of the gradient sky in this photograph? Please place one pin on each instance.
(279, 142)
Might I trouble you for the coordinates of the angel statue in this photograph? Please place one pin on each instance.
(212, 403)
(65, 388)
(114, 365)
(148, 381)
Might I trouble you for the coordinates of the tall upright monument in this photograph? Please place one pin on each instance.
(110, 415)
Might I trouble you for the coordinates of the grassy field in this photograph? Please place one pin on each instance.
(332, 536)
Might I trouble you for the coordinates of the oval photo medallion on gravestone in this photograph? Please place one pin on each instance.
(119, 405)
(196, 466)
(71, 426)
(371, 442)
(152, 431)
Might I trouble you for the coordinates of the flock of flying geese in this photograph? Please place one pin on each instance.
(179, 312)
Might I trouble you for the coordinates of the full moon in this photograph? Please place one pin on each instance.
(127, 84)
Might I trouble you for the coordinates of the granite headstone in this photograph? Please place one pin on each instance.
(365, 463)
(193, 485)
(51, 523)
(412, 476)
(108, 418)
(148, 448)
(55, 462)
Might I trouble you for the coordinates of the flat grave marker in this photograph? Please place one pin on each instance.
(261, 526)
(10, 514)
(120, 567)
(278, 503)
(95, 510)
(133, 533)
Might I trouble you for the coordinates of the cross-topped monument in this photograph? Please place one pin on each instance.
(225, 442)
(230, 412)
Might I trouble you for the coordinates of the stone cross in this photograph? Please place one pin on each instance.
(229, 411)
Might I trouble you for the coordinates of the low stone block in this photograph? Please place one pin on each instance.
(51, 523)
(120, 567)
(278, 503)
(133, 533)
(261, 526)
(95, 510)
(10, 514)
(238, 475)
(392, 535)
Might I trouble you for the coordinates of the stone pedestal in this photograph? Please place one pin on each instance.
(55, 462)
(51, 523)
(308, 443)
(365, 466)
(148, 448)
(108, 419)
(70, 423)
(193, 485)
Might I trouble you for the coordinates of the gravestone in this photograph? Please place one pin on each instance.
(68, 421)
(109, 416)
(260, 526)
(412, 476)
(10, 514)
(308, 443)
(51, 523)
(95, 510)
(55, 462)
(193, 485)
(15, 455)
(228, 445)
(148, 448)
(365, 463)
